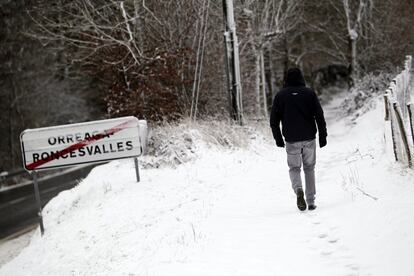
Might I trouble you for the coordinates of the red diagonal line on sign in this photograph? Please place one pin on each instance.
(77, 146)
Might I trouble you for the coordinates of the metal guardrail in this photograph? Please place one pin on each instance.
(10, 174)
(18, 208)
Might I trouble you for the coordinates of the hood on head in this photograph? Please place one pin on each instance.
(294, 77)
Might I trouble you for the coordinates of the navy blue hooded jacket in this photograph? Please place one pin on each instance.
(297, 107)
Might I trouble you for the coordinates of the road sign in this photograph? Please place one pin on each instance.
(67, 145)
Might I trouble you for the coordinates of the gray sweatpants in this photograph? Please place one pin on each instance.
(298, 152)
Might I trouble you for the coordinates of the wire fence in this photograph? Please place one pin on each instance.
(399, 111)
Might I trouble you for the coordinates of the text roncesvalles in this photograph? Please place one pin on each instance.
(89, 150)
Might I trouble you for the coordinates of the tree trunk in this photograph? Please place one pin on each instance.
(11, 125)
(138, 25)
(62, 55)
(353, 64)
(257, 83)
(263, 83)
(287, 56)
(302, 52)
(272, 72)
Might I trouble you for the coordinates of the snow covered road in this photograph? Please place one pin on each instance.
(362, 226)
(234, 213)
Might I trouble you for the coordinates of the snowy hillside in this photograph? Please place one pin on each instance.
(234, 213)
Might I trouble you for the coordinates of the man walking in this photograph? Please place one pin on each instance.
(298, 107)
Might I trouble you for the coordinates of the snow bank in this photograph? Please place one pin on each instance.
(174, 144)
(233, 212)
(109, 224)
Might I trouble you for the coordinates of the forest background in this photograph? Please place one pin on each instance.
(72, 61)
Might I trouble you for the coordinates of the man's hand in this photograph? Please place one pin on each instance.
(280, 143)
(322, 141)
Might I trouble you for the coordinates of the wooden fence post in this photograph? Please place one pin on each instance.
(393, 133)
(387, 111)
(403, 133)
(410, 108)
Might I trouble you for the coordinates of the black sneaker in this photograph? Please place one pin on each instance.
(300, 201)
(311, 207)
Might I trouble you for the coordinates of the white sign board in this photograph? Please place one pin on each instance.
(67, 145)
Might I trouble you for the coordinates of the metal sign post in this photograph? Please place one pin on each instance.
(39, 203)
(136, 168)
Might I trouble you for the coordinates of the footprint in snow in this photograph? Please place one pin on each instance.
(326, 253)
(333, 240)
(322, 236)
(352, 267)
(335, 248)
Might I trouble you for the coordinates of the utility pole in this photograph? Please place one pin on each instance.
(232, 63)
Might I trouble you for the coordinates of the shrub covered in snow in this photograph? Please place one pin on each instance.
(361, 97)
(172, 144)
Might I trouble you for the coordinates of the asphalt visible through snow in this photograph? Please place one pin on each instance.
(18, 207)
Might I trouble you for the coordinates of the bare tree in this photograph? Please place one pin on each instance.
(34, 89)
(121, 42)
(202, 24)
(355, 13)
(266, 21)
